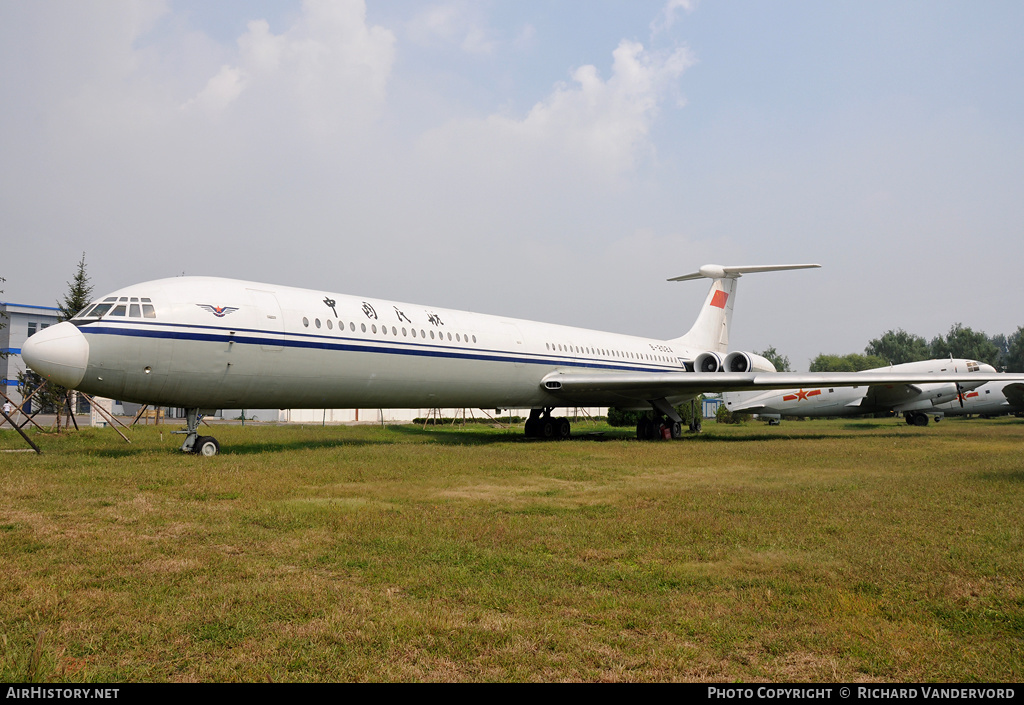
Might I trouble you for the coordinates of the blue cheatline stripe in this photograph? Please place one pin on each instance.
(44, 308)
(13, 351)
(317, 342)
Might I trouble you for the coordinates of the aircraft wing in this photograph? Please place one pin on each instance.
(890, 395)
(590, 387)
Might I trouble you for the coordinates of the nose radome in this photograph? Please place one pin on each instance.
(59, 353)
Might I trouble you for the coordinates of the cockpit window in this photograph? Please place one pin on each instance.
(136, 307)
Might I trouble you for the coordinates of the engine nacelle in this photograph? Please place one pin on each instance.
(746, 362)
(707, 362)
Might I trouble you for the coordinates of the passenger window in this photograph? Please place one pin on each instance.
(305, 322)
(317, 322)
(330, 324)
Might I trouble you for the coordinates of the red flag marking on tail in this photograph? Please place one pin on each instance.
(719, 299)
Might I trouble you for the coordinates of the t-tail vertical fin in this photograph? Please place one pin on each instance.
(710, 332)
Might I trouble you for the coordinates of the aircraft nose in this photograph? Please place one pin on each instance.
(59, 353)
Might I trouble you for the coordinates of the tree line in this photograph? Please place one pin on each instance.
(894, 347)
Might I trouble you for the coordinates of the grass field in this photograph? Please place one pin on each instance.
(861, 550)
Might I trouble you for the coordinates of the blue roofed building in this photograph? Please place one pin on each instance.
(20, 321)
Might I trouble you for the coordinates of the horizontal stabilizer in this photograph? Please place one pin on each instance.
(717, 271)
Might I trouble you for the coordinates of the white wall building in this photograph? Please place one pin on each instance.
(20, 321)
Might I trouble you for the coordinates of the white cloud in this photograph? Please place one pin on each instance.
(328, 70)
(220, 91)
(453, 23)
(593, 124)
(667, 17)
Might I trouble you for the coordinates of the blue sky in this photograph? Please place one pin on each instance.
(546, 160)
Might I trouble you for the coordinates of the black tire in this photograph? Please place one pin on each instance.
(562, 428)
(206, 446)
(547, 428)
(644, 429)
(531, 428)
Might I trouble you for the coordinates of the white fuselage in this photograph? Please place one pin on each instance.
(866, 399)
(204, 343)
(216, 343)
(987, 400)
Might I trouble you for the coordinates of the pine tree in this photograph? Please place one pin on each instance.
(79, 293)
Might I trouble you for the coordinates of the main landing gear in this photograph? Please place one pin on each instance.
(916, 418)
(665, 422)
(541, 425)
(660, 427)
(194, 443)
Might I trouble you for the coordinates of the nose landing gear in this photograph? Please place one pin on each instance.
(194, 443)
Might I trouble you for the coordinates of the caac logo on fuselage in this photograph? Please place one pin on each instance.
(218, 311)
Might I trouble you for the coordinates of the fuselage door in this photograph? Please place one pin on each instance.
(267, 321)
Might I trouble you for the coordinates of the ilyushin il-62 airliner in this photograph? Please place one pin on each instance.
(206, 343)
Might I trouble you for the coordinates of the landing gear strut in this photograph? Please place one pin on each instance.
(194, 443)
(541, 425)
